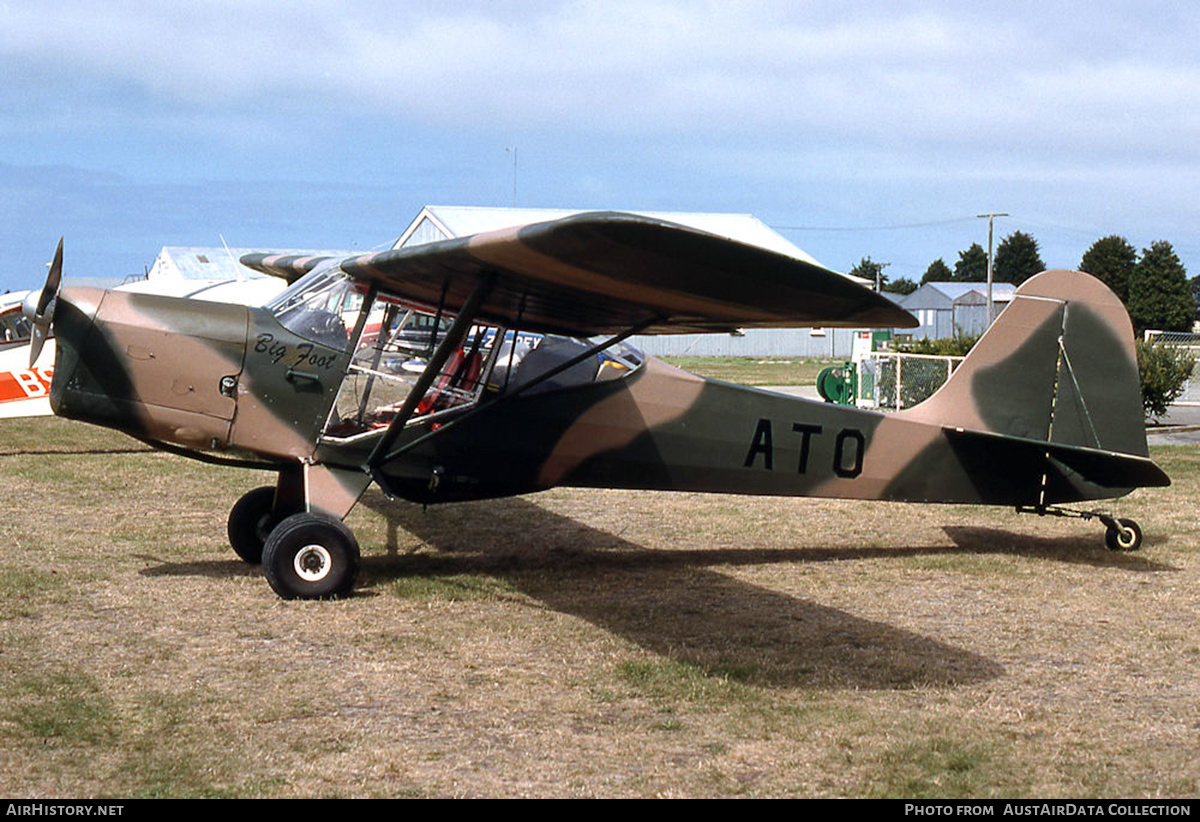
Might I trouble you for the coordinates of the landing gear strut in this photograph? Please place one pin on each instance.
(305, 550)
(1119, 534)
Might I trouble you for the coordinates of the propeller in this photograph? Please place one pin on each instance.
(43, 313)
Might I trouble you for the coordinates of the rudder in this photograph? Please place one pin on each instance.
(1058, 365)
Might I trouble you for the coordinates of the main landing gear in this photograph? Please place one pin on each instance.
(311, 556)
(251, 522)
(304, 555)
(1119, 534)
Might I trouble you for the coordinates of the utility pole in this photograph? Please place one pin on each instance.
(879, 267)
(991, 218)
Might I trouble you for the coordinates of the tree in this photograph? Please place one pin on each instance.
(1159, 294)
(959, 345)
(868, 269)
(901, 286)
(1163, 369)
(1112, 260)
(972, 265)
(938, 272)
(1017, 259)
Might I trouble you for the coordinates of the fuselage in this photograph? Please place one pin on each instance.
(235, 380)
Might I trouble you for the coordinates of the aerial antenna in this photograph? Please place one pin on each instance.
(237, 265)
(513, 150)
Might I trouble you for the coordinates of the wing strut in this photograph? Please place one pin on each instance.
(453, 339)
(541, 378)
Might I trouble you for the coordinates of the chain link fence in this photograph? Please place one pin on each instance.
(1191, 343)
(892, 381)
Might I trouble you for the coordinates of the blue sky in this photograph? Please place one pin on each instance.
(856, 129)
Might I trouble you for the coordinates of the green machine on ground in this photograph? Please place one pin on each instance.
(840, 383)
(836, 384)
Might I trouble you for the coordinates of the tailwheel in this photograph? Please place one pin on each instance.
(1123, 535)
(1119, 534)
(251, 521)
(311, 556)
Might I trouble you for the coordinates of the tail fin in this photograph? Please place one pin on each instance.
(1057, 366)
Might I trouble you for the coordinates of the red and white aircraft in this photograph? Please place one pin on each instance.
(24, 388)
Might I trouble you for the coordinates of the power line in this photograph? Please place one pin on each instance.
(871, 228)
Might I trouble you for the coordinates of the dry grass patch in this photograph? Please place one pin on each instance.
(587, 643)
(756, 370)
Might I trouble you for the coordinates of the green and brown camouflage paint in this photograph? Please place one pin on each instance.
(1045, 410)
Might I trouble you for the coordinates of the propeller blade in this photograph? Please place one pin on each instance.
(44, 311)
(53, 279)
(36, 341)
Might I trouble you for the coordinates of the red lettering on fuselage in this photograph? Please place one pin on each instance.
(25, 384)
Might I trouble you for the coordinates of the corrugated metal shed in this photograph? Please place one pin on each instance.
(210, 273)
(946, 309)
(200, 264)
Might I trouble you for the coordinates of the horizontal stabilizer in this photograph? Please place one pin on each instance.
(1052, 473)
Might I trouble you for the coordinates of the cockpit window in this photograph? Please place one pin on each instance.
(320, 306)
(398, 340)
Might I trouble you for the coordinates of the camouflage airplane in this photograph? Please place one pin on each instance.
(497, 364)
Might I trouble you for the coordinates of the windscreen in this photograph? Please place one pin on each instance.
(398, 341)
(320, 306)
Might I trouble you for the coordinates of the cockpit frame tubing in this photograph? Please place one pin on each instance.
(363, 313)
(478, 409)
(389, 316)
(360, 324)
(446, 346)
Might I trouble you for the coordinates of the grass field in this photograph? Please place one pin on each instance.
(755, 370)
(583, 643)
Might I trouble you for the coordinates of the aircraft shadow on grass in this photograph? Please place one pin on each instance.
(673, 603)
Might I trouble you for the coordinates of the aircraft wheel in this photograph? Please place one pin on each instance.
(1123, 535)
(311, 556)
(251, 522)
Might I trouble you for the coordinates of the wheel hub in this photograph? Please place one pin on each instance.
(312, 563)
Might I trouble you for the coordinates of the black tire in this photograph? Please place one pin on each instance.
(311, 556)
(250, 523)
(1124, 535)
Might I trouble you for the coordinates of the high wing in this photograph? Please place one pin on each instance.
(288, 267)
(606, 272)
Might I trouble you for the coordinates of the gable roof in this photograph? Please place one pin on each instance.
(200, 264)
(946, 294)
(1000, 291)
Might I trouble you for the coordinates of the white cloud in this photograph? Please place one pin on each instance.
(622, 66)
(775, 93)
